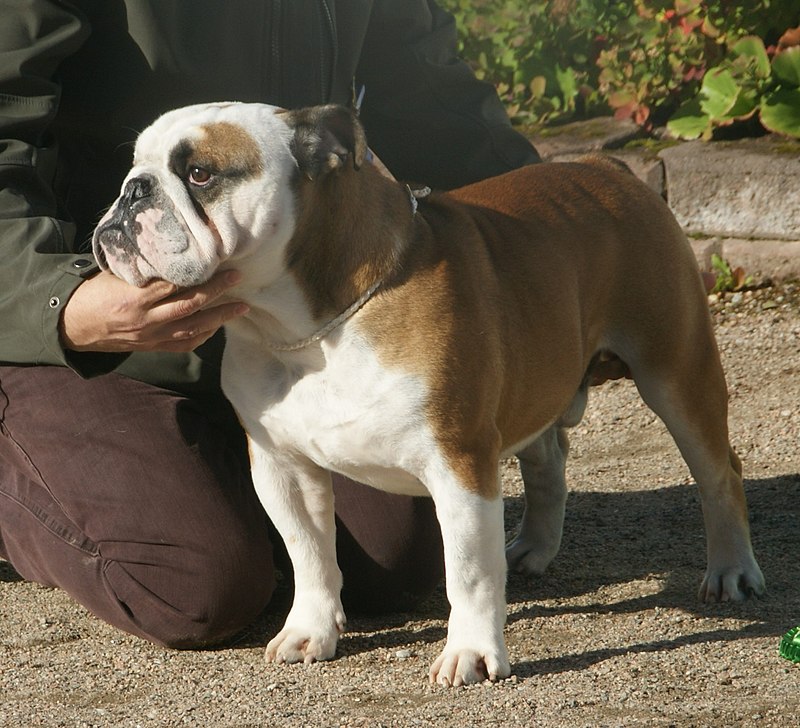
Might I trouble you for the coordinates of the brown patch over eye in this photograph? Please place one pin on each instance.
(228, 149)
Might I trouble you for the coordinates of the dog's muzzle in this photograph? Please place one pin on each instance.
(145, 236)
(115, 237)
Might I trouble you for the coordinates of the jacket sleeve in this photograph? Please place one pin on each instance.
(426, 114)
(40, 266)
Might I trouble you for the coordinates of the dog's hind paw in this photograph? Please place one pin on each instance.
(530, 559)
(454, 668)
(734, 584)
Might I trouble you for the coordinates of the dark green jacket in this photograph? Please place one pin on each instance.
(79, 79)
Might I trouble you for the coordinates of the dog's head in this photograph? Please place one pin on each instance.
(212, 182)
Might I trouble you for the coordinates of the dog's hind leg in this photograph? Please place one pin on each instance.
(683, 383)
(542, 464)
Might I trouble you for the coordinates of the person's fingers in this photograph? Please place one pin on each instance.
(184, 303)
(156, 290)
(107, 314)
(203, 323)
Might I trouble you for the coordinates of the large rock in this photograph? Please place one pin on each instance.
(746, 189)
(581, 137)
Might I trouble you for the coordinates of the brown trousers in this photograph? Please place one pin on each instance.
(138, 502)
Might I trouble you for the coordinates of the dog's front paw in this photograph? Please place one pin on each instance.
(456, 667)
(296, 643)
(732, 584)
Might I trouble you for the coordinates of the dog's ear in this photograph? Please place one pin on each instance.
(325, 137)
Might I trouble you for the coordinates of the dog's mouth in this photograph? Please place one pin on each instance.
(116, 250)
(111, 240)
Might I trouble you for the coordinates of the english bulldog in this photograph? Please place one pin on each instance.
(411, 344)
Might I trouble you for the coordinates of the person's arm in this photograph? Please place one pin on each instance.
(106, 314)
(40, 268)
(55, 305)
(426, 114)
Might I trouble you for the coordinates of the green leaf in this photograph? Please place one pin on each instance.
(780, 112)
(684, 7)
(719, 91)
(567, 82)
(743, 107)
(509, 59)
(752, 48)
(538, 86)
(786, 65)
(719, 264)
(620, 98)
(689, 121)
(708, 28)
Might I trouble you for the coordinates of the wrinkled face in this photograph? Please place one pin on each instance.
(208, 182)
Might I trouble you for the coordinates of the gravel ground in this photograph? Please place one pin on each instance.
(612, 635)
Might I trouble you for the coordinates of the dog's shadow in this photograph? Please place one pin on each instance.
(657, 537)
(611, 538)
(611, 541)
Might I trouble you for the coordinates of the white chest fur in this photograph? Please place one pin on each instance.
(336, 404)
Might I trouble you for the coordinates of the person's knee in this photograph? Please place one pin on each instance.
(199, 603)
(397, 572)
(228, 611)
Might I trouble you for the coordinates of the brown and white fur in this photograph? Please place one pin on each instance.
(497, 304)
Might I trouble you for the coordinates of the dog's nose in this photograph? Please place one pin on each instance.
(138, 188)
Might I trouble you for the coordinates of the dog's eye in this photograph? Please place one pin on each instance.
(199, 176)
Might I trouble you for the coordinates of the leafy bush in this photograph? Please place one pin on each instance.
(540, 55)
(726, 277)
(640, 59)
(660, 57)
(745, 84)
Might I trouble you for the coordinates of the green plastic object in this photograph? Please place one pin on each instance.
(790, 645)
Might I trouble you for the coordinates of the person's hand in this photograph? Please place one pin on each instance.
(107, 314)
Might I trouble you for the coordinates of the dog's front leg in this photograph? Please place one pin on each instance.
(298, 497)
(475, 566)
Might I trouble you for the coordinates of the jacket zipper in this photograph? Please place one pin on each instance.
(275, 52)
(327, 23)
(327, 50)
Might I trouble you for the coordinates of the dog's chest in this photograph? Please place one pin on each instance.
(350, 414)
